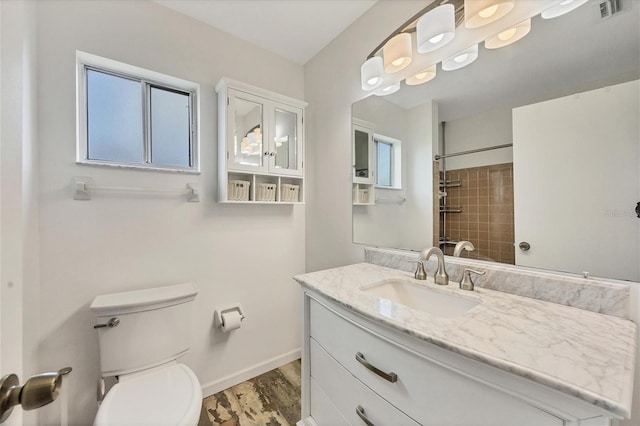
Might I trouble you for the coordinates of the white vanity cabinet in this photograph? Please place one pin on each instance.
(261, 145)
(354, 367)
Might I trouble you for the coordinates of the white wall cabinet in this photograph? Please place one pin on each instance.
(363, 155)
(416, 383)
(261, 145)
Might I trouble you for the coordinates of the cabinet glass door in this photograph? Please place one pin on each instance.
(286, 146)
(248, 126)
(363, 155)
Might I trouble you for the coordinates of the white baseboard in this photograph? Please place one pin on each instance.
(248, 373)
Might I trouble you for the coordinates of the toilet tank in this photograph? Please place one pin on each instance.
(154, 327)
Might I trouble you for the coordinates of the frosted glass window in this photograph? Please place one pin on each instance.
(114, 118)
(132, 117)
(384, 165)
(170, 128)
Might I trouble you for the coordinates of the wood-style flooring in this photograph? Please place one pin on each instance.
(271, 399)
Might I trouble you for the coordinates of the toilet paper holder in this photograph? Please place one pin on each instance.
(219, 321)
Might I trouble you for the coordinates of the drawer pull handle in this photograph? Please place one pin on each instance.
(391, 377)
(363, 416)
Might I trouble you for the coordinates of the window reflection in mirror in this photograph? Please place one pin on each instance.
(388, 162)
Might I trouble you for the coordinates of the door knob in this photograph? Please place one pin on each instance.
(524, 246)
(38, 390)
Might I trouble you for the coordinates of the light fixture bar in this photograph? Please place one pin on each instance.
(409, 25)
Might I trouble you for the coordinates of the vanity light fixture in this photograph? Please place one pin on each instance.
(396, 53)
(372, 73)
(436, 28)
(461, 59)
(423, 76)
(508, 36)
(561, 8)
(482, 12)
(387, 89)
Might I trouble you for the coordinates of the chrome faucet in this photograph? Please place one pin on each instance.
(440, 277)
(462, 245)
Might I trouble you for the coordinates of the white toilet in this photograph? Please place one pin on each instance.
(141, 334)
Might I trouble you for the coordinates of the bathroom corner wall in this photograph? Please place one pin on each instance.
(232, 253)
(19, 270)
(332, 85)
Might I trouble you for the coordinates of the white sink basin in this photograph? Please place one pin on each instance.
(422, 298)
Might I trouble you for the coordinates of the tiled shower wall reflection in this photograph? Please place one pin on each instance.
(485, 196)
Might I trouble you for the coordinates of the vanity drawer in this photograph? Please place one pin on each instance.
(430, 393)
(322, 409)
(349, 395)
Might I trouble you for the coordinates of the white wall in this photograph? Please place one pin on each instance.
(370, 223)
(422, 131)
(412, 220)
(489, 128)
(18, 195)
(332, 84)
(579, 154)
(233, 253)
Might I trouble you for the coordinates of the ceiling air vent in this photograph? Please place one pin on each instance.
(609, 8)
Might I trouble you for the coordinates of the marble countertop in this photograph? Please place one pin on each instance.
(581, 353)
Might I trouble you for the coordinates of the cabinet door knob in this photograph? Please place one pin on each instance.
(524, 246)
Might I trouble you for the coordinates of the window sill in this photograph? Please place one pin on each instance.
(138, 167)
(396, 188)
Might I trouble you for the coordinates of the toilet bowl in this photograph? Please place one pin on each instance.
(141, 334)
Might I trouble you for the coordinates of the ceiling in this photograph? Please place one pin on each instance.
(572, 53)
(294, 29)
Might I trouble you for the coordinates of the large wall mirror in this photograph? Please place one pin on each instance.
(531, 153)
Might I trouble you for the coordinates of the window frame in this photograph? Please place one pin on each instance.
(395, 161)
(148, 80)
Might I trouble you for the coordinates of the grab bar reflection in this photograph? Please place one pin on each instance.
(398, 200)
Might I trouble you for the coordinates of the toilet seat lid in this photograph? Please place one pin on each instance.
(166, 395)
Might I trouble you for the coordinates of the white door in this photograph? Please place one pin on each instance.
(13, 30)
(576, 182)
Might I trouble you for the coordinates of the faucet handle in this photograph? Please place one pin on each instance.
(420, 273)
(467, 283)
